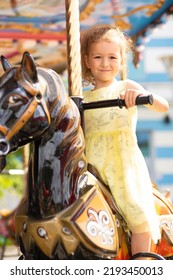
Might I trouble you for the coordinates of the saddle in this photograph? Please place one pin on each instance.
(89, 222)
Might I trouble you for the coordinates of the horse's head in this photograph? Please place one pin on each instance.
(24, 113)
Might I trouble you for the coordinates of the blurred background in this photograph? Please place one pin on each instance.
(40, 28)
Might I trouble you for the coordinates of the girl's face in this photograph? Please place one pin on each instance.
(104, 60)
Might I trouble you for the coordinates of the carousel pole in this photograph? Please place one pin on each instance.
(73, 48)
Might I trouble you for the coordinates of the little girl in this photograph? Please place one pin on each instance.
(111, 144)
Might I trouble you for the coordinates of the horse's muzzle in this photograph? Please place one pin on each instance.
(4, 147)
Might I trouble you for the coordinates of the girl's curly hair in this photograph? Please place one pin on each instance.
(109, 33)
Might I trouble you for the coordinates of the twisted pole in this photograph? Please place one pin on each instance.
(73, 48)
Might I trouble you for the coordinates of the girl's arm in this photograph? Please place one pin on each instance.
(134, 89)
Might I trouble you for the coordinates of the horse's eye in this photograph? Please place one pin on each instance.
(14, 99)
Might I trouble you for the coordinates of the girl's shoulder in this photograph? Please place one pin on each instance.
(127, 83)
(130, 84)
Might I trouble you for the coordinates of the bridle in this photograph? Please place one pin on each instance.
(28, 113)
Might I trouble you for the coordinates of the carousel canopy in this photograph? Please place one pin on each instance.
(40, 26)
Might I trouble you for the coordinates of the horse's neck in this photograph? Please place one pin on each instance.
(57, 161)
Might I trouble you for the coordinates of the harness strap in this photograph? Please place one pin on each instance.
(21, 122)
(3, 129)
(43, 103)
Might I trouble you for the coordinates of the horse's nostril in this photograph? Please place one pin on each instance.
(4, 147)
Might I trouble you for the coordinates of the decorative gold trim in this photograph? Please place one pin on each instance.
(152, 8)
(90, 6)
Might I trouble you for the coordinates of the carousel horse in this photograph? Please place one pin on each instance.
(68, 212)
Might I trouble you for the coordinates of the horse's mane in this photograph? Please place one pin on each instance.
(53, 81)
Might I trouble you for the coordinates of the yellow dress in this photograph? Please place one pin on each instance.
(111, 146)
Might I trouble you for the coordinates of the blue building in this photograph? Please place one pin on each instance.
(155, 130)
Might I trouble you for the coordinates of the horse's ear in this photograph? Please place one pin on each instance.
(5, 63)
(28, 65)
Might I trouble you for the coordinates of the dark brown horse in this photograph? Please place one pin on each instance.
(68, 213)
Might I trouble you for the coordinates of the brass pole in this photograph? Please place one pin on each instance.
(73, 48)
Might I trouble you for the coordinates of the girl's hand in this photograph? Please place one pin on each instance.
(129, 95)
(134, 89)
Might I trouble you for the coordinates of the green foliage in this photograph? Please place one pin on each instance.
(13, 183)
